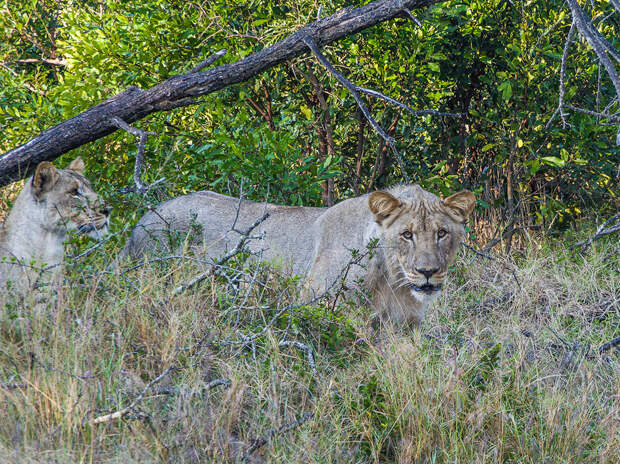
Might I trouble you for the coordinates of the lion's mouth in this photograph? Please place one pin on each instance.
(426, 288)
(90, 227)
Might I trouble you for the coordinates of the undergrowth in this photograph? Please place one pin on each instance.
(503, 369)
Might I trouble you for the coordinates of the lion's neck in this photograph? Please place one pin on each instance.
(26, 239)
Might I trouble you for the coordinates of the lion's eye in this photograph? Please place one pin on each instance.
(441, 233)
(75, 191)
(407, 234)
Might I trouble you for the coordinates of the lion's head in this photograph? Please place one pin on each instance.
(421, 234)
(66, 201)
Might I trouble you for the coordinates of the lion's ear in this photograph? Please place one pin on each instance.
(382, 204)
(462, 203)
(44, 178)
(77, 165)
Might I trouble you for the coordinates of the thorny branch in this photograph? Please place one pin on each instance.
(245, 237)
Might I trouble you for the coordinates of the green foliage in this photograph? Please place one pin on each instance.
(497, 62)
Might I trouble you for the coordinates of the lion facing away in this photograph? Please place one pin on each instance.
(52, 203)
(417, 233)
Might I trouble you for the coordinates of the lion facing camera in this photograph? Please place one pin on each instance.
(417, 236)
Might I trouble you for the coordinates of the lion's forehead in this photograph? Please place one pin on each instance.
(421, 217)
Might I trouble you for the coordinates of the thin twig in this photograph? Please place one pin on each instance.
(598, 114)
(353, 89)
(492, 258)
(245, 237)
(210, 60)
(259, 442)
(121, 413)
(406, 107)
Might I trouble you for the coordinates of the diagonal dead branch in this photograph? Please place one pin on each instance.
(245, 237)
(602, 48)
(610, 344)
(362, 106)
(131, 408)
(412, 18)
(606, 228)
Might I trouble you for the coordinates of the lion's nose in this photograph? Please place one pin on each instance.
(427, 272)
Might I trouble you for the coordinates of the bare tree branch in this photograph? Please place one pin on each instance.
(138, 186)
(606, 228)
(560, 108)
(305, 348)
(245, 237)
(263, 440)
(362, 106)
(123, 412)
(600, 45)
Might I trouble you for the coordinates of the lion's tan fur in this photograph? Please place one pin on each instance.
(52, 203)
(317, 242)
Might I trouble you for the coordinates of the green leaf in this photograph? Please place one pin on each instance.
(553, 161)
(306, 111)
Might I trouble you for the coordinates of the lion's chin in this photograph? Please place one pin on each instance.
(426, 293)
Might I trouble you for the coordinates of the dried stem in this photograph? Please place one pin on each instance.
(123, 412)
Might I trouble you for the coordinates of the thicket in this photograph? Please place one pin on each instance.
(514, 363)
(294, 135)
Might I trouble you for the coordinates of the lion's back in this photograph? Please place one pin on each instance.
(206, 220)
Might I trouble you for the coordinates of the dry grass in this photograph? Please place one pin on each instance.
(496, 373)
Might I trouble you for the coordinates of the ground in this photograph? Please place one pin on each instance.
(505, 368)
